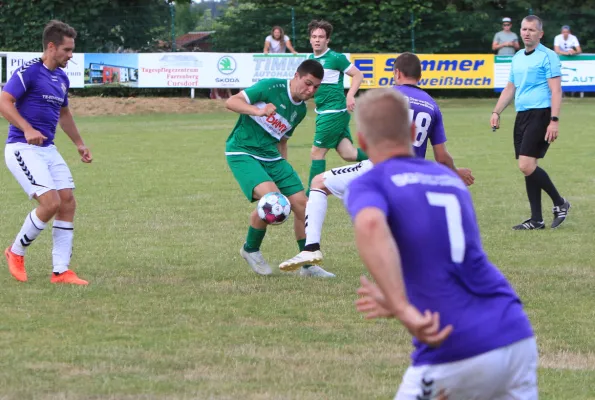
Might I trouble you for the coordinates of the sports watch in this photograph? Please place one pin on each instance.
(555, 119)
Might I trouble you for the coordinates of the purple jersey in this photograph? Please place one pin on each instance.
(431, 216)
(426, 114)
(40, 94)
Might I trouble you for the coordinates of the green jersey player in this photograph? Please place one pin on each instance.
(256, 150)
(332, 107)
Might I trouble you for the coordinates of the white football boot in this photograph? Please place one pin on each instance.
(304, 258)
(316, 272)
(256, 262)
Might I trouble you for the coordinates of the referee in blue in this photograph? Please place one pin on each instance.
(535, 84)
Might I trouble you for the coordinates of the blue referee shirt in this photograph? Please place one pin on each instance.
(529, 73)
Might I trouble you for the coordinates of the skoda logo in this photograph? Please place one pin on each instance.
(226, 65)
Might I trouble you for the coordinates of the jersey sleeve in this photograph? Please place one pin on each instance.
(575, 41)
(363, 192)
(256, 92)
(437, 132)
(20, 81)
(343, 64)
(496, 37)
(553, 67)
(67, 83)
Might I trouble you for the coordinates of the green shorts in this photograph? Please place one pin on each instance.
(250, 172)
(331, 128)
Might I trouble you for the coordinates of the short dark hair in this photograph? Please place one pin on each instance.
(322, 24)
(533, 18)
(55, 31)
(409, 65)
(311, 67)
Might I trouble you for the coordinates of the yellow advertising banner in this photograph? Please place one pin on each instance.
(439, 71)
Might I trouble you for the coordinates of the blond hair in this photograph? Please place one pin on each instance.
(382, 116)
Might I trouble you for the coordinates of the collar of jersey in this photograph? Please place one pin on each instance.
(289, 95)
(327, 50)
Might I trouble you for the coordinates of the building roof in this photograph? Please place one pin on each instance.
(192, 37)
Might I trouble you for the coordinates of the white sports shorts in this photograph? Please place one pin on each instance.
(507, 373)
(37, 169)
(336, 180)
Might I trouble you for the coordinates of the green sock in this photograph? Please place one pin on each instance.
(254, 239)
(301, 244)
(361, 156)
(317, 167)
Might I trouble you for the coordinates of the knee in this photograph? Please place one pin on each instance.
(50, 202)
(318, 182)
(317, 153)
(527, 167)
(67, 203)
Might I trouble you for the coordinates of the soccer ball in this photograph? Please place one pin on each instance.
(273, 208)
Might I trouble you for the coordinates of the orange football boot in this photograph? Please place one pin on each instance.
(68, 277)
(16, 265)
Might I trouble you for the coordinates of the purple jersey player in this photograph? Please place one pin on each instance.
(472, 338)
(427, 118)
(34, 101)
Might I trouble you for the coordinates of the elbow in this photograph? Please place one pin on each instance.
(228, 104)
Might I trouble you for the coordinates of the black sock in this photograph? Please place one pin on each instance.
(544, 181)
(312, 247)
(534, 195)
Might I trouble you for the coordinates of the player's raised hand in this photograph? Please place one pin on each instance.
(34, 137)
(466, 176)
(425, 327)
(495, 121)
(372, 301)
(268, 110)
(350, 102)
(85, 153)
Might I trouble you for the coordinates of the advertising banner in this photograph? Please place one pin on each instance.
(439, 71)
(74, 69)
(111, 68)
(170, 70)
(578, 72)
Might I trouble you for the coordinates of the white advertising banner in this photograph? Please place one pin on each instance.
(578, 73)
(171, 70)
(75, 70)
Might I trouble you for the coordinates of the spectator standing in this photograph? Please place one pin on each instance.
(506, 42)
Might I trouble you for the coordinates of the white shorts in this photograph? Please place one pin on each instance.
(507, 373)
(336, 180)
(37, 169)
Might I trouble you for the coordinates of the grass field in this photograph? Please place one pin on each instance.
(173, 311)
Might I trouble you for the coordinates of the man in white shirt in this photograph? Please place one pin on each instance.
(566, 44)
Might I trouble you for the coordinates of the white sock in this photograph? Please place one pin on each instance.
(62, 233)
(315, 214)
(31, 228)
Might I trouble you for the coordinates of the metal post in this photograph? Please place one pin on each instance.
(412, 32)
(293, 26)
(172, 11)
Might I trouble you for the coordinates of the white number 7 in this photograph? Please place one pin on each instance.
(454, 221)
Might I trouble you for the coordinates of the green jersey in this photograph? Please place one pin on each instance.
(258, 136)
(330, 96)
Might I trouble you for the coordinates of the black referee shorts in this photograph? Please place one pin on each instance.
(529, 132)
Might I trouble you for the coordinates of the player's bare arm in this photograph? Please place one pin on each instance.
(282, 146)
(380, 254)
(356, 80)
(69, 127)
(555, 85)
(442, 156)
(12, 115)
(503, 101)
(237, 103)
